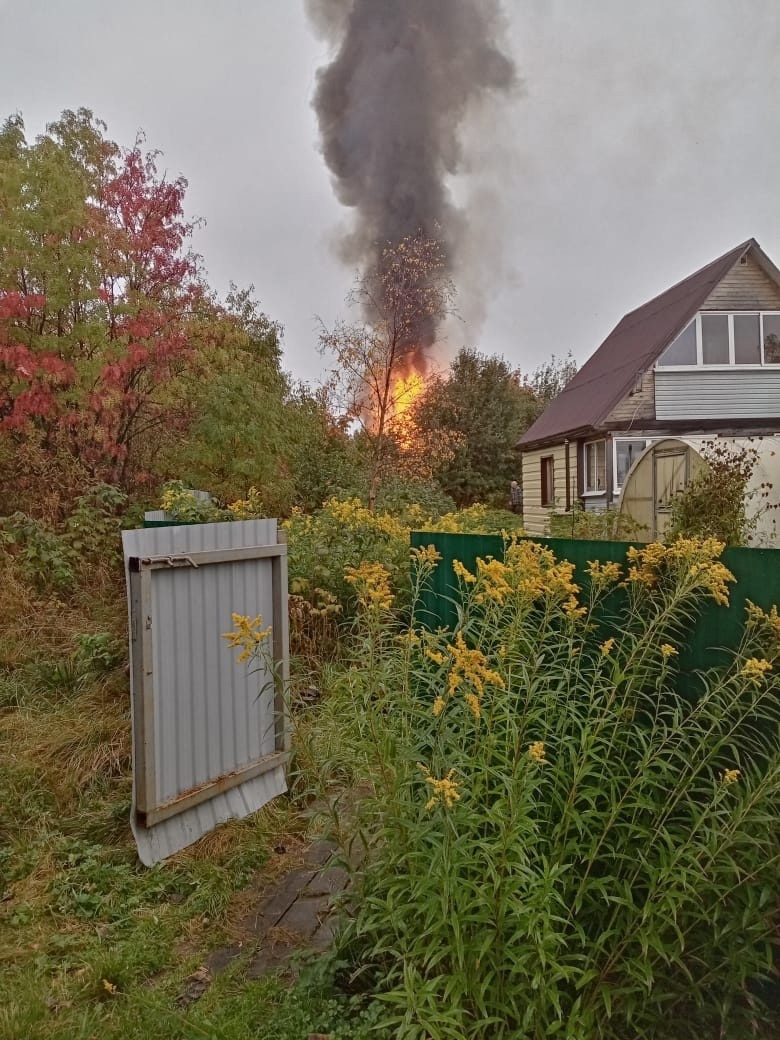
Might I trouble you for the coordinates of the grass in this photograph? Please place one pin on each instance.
(92, 944)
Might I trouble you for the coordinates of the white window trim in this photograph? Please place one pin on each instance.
(594, 492)
(617, 488)
(699, 366)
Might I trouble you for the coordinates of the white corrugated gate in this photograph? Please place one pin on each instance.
(210, 736)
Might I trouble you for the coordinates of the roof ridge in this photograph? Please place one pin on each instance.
(737, 251)
(634, 343)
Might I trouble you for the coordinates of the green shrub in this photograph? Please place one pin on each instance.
(45, 557)
(715, 504)
(605, 525)
(344, 533)
(563, 845)
(89, 537)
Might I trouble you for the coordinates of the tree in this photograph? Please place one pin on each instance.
(402, 302)
(546, 382)
(481, 406)
(98, 286)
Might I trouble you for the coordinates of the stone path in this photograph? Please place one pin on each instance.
(292, 915)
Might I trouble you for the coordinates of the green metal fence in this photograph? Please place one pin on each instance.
(718, 628)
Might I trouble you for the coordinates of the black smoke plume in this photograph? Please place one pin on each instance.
(390, 107)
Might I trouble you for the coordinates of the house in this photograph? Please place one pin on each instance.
(703, 358)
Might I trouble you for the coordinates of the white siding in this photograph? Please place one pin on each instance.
(718, 394)
(536, 517)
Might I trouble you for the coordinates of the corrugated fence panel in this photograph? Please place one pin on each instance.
(718, 628)
(207, 742)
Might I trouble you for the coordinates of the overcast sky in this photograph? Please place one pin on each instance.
(644, 142)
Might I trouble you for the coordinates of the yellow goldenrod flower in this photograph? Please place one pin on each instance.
(730, 776)
(606, 647)
(573, 610)
(536, 751)
(109, 987)
(444, 791)
(427, 554)
(769, 622)
(462, 573)
(667, 650)
(247, 508)
(248, 635)
(603, 573)
(438, 705)
(473, 704)
(470, 670)
(371, 582)
(754, 669)
(434, 655)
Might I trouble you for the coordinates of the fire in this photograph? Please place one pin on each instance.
(406, 390)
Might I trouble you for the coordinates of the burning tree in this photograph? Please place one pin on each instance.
(382, 358)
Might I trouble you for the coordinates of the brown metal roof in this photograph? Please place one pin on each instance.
(632, 346)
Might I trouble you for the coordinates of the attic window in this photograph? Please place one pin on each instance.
(721, 339)
(682, 350)
(715, 339)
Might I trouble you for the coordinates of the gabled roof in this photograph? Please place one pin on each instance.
(632, 346)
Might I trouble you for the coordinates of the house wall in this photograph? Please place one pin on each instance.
(639, 403)
(744, 288)
(732, 393)
(536, 516)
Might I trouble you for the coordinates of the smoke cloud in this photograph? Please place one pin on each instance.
(391, 107)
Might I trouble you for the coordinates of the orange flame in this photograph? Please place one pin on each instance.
(405, 392)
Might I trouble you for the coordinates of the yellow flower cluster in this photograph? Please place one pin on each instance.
(536, 751)
(351, 512)
(730, 776)
(371, 582)
(603, 573)
(754, 669)
(248, 635)
(463, 573)
(425, 556)
(768, 621)
(468, 673)
(667, 650)
(606, 647)
(528, 571)
(693, 559)
(247, 508)
(444, 790)
(494, 576)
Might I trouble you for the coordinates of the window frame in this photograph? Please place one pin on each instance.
(585, 467)
(700, 365)
(547, 484)
(617, 488)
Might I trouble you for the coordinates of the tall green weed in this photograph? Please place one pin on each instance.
(561, 844)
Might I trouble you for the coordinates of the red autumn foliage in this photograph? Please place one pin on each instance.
(89, 371)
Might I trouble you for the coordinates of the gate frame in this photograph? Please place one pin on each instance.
(148, 809)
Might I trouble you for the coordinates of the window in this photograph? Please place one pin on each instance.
(548, 480)
(626, 453)
(681, 351)
(595, 466)
(771, 323)
(747, 339)
(713, 338)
